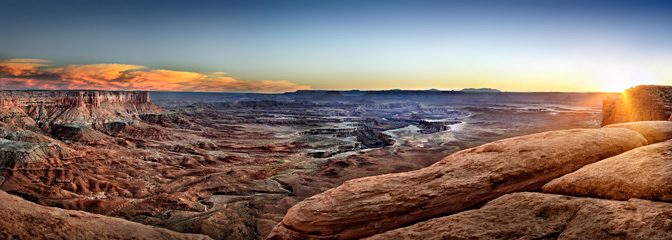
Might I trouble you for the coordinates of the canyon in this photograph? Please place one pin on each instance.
(324, 164)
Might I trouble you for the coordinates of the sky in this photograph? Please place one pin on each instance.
(281, 46)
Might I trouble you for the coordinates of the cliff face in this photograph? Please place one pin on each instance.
(69, 98)
(642, 103)
(40, 109)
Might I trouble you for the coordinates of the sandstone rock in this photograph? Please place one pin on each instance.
(640, 173)
(21, 219)
(82, 133)
(366, 206)
(642, 103)
(653, 131)
(546, 216)
(135, 129)
(28, 136)
(41, 108)
(25, 155)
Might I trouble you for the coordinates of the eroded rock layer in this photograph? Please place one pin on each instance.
(640, 173)
(546, 216)
(366, 206)
(53, 223)
(653, 131)
(40, 109)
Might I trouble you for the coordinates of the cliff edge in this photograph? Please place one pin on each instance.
(41, 109)
(641, 103)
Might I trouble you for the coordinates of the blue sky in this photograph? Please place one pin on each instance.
(510, 45)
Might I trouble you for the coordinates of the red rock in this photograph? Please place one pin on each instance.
(547, 216)
(653, 131)
(642, 103)
(21, 219)
(366, 206)
(640, 173)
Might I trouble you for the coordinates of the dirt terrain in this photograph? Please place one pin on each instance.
(232, 169)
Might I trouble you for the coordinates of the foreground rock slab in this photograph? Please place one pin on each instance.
(653, 131)
(366, 206)
(645, 172)
(21, 219)
(547, 216)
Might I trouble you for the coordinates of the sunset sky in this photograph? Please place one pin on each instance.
(286, 45)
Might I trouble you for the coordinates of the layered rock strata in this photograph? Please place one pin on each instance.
(41, 109)
(653, 131)
(25, 155)
(645, 172)
(366, 206)
(547, 216)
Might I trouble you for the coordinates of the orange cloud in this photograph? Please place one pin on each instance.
(35, 74)
(22, 66)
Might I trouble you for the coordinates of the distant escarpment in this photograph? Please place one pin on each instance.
(642, 103)
(40, 109)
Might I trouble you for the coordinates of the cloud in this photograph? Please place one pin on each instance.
(27, 60)
(22, 66)
(36, 74)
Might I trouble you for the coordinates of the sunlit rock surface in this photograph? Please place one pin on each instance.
(366, 206)
(653, 131)
(546, 216)
(645, 173)
(642, 103)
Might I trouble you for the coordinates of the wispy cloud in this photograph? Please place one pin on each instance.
(38, 74)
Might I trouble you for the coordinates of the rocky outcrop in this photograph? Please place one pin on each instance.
(83, 133)
(640, 173)
(69, 98)
(42, 108)
(21, 219)
(642, 103)
(653, 131)
(546, 216)
(433, 126)
(25, 155)
(366, 206)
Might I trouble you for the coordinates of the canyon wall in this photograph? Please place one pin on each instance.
(41, 109)
(642, 103)
(69, 98)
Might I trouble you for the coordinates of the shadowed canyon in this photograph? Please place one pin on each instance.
(336, 165)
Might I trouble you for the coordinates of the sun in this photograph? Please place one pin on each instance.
(614, 87)
(620, 79)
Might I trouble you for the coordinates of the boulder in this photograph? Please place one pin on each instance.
(653, 131)
(645, 172)
(547, 216)
(21, 219)
(366, 206)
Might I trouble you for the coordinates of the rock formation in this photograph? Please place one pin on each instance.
(54, 223)
(32, 109)
(640, 173)
(545, 216)
(232, 170)
(642, 103)
(653, 131)
(366, 206)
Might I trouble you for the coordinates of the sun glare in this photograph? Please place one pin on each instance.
(620, 79)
